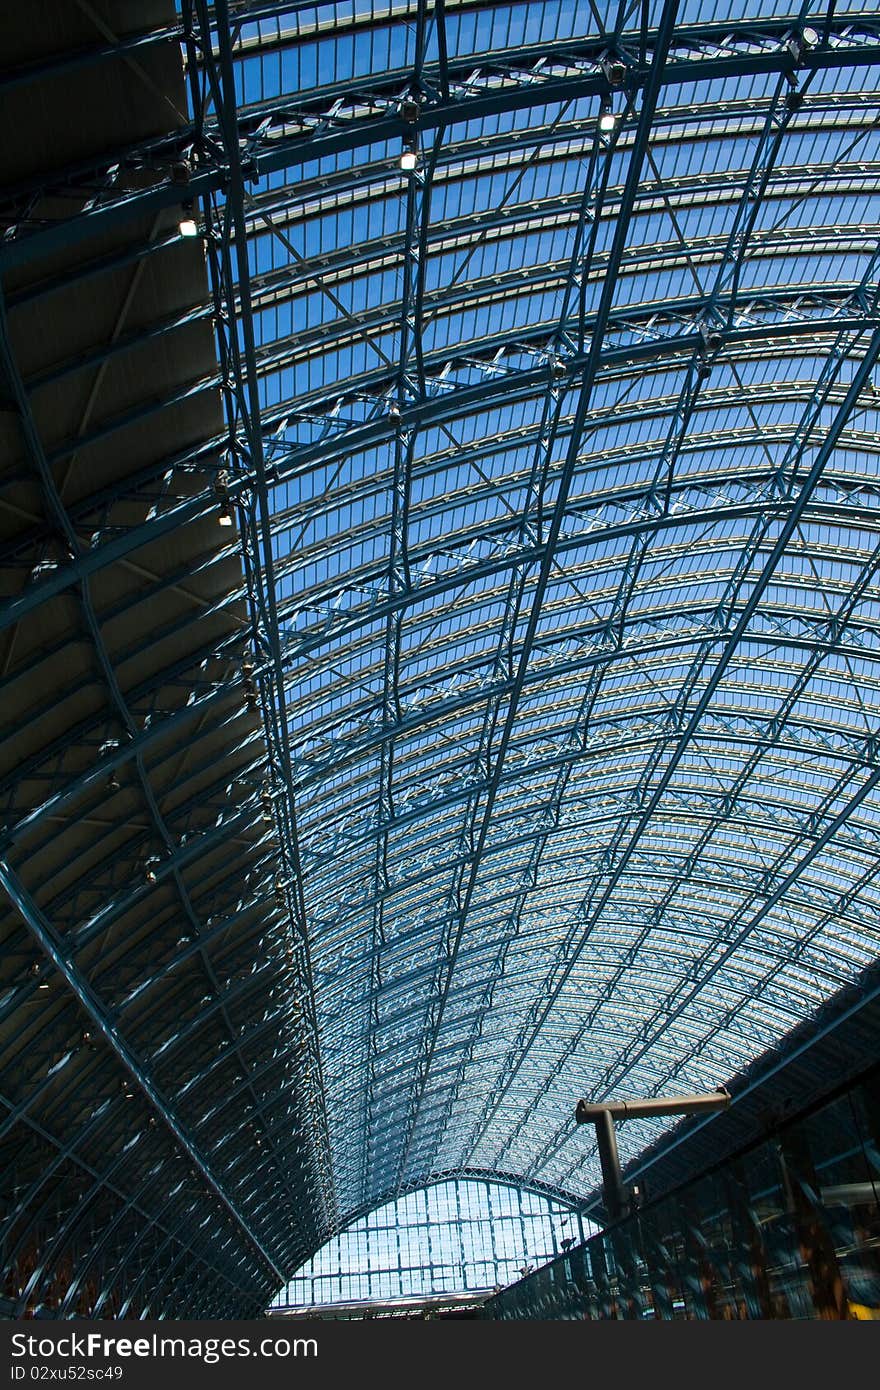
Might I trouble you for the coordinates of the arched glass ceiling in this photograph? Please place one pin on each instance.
(556, 465)
(458, 1236)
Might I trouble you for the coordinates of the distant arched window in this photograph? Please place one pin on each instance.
(464, 1235)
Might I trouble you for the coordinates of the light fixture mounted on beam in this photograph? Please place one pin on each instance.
(187, 225)
(409, 157)
(607, 119)
(221, 490)
(614, 70)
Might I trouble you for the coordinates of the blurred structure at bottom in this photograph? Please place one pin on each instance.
(788, 1228)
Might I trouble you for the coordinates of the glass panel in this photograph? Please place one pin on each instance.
(447, 1238)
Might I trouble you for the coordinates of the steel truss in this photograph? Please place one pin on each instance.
(160, 1141)
(554, 466)
(427, 404)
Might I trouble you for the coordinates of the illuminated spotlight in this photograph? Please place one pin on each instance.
(225, 517)
(607, 121)
(408, 161)
(187, 225)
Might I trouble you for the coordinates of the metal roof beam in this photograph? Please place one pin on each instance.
(736, 632)
(463, 893)
(861, 45)
(68, 1151)
(47, 939)
(447, 406)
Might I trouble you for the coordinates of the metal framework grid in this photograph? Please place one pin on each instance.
(459, 1236)
(554, 464)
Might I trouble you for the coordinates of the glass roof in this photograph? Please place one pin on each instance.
(452, 1237)
(561, 324)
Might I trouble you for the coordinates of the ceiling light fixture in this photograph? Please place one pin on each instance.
(410, 155)
(187, 225)
(614, 70)
(711, 336)
(607, 121)
(221, 491)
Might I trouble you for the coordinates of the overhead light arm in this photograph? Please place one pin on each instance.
(616, 1197)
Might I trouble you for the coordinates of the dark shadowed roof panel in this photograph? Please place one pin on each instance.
(155, 1139)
